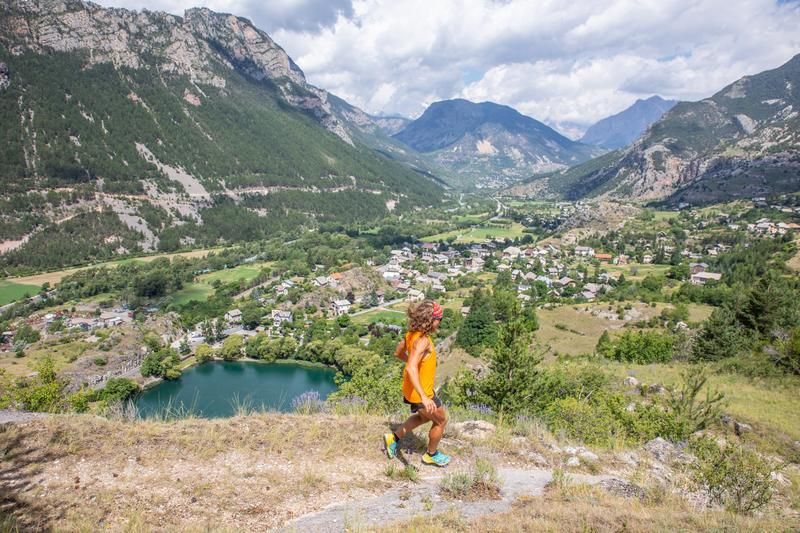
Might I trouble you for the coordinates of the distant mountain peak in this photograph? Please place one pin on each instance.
(487, 140)
(626, 126)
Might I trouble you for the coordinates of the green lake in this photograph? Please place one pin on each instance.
(215, 389)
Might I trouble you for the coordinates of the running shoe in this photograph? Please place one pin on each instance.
(390, 444)
(438, 459)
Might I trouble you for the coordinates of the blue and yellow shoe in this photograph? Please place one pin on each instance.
(390, 444)
(437, 459)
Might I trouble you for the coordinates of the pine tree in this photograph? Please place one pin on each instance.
(513, 370)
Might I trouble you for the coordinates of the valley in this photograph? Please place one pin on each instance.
(207, 263)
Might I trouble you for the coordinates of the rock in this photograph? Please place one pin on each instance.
(573, 461)
(740, 427)
(625, 489)
(629, 458)
(661, 449)
(656, 388)
(537, 458)
(574, 450)
(474, 429)
(631, 382)
(519, 442)
(588, 456)
(779, 478)
(631, 407)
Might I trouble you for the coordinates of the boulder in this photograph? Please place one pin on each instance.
(631, 382)
(573, 461)
(656, 388)
(588, 456)
(622, 488)
(661, 449)
(537, 459)
(474, 429)
(741, 428)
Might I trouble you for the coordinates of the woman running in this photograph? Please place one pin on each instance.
(419, 353)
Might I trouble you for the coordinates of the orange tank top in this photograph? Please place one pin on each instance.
(427, 370)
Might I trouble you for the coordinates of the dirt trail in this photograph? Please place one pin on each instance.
(424, 498)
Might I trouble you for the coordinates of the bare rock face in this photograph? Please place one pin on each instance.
(5, 77)
(195, 46)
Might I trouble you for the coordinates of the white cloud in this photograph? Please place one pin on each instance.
(566, 63)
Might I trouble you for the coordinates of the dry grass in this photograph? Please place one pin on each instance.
(246, 473)
(580, 509)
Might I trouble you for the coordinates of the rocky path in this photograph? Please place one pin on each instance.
(12, 416)
(424, 498)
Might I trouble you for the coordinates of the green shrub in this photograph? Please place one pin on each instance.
(590, 422)
(118, 390)
(641, 347)
(787, 353)
(735, 477)
(692, 411)
(204, 353)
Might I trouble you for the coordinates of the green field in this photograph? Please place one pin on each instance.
(381, 315)
(10, 291)
(201, 289)
(481, 233)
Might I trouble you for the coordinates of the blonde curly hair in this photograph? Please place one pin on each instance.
(420, 316)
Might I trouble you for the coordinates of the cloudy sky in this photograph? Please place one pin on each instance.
(568, 64)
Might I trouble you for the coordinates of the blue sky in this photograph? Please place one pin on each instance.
(568, 64)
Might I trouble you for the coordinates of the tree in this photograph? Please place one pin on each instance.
(204, 353)
(26, 334)
(512, 370)
(604, 345)
(478, 330)
(232, 348)
(721, 336)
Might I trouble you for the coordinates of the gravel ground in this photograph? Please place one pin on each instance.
(11, 416)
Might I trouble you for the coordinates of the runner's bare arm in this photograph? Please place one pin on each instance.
(400, 351)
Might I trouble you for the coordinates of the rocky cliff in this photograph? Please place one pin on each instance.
(742, 142)
(145, 130)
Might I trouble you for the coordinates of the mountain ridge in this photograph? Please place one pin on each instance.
(175, 131)
(479, 140)
(621, 129)
(742, 142)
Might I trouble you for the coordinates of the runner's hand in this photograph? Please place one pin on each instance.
(430, 405)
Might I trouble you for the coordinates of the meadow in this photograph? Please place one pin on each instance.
(203, 287)
(11, 291)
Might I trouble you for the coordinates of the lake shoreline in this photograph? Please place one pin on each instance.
(211, 389)
(299, 362)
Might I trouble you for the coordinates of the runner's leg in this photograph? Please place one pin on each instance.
(439, 419)
(410, 424)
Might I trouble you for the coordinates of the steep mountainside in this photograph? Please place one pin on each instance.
(156, 130)
(626, 126)
(489, 141)
(742, 142)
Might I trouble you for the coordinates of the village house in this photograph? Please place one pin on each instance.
(584, 251)
(321, 281)
(695, 268)
(511, 253)
(280, 317)
(603, 257)
(234, 316)
(702, 277)
(340, 307)
(415, 295)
